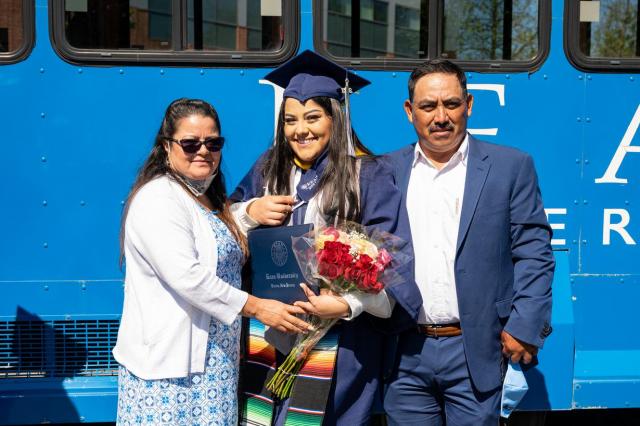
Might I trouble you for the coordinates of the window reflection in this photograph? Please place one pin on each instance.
(11, 26)
(610, 28)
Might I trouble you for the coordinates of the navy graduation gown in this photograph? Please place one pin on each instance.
(361, 347)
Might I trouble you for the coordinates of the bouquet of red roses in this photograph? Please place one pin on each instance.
(342, 259)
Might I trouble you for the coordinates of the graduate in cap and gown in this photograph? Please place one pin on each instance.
(318, 172)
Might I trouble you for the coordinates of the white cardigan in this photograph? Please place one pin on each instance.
(171, 288)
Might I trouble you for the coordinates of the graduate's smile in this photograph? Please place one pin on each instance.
(307, 128)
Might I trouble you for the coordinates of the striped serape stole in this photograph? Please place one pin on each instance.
(310, 390)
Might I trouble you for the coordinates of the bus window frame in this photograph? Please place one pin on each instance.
(28, 31)
(586, 63)
(174, 56)
(434, 46)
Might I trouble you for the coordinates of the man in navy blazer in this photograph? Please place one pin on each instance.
(483, 260)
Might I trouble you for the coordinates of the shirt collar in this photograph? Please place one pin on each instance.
(460, 155)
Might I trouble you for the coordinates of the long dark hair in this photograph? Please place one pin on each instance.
(339, 183)
(157, 164)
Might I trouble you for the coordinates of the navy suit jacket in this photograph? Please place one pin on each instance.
(504, 263)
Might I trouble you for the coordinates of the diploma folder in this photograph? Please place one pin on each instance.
(275, 273)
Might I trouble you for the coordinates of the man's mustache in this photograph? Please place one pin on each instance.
(441, 127)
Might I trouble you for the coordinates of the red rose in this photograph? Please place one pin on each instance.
(329, 270)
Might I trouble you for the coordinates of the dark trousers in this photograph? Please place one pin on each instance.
(431, 386)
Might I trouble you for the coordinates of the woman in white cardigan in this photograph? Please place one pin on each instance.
(178, 343)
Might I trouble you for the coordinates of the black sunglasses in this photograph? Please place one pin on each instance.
(191, 145)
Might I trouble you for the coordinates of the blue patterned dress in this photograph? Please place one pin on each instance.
(208, 398)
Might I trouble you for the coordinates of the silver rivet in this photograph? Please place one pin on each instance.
(578, 119)
(544, 76)
(241, 72)
(122, 203)
(45, 245)
(161, 72)
(631, 78)
(393, 74)
(201, 72)
(43, 159)
(507, 76)
(577, 161)
(621, 280)
(584, 241)
(82, 203)
(588, 77)
(121, 71)
(83, 286)
(575, 241)
(79, 70)
(575, 201)
(580, 77)
(586, 161)
(41, 70)
(46, 288)
(588, 120)
(626, 202)
(573, 297)
(585, 202)
(44, 203)
(42, 115)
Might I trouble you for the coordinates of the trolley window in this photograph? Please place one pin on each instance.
(168, 32)
(603, 35)
(496, 34)
(16, 30)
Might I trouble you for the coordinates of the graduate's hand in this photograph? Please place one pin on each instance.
(325, 305)
(276, 314)
(517, 350)
(270, 210)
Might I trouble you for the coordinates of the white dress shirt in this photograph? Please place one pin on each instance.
(434, 202)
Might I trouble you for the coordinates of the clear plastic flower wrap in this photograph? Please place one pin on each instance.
(343, 259)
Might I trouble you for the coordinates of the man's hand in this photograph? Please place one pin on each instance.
(270, 210)
(516, 349)
(326, 305)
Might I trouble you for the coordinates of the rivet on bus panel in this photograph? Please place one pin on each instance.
(41, 70)
(545, 76)
(575, 201)
(121, 71)
(241, 72)
(79, 70)
(631, 78)
(580, 77)
(586, 161)
(161, 72)
(585, 201)
(43, 159)
(44, 203)
(201, 72)
(578, 119)
(42, 115)
(393, 74)
(82, 203)
(584, 242)
(626, 202)
(588, 77)
(46, 288)
(577, 161)
(507, 76)
(45, 245)
(588, 120)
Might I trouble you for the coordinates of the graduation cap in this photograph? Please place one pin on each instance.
(310, 75)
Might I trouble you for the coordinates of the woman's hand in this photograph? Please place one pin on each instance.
(326, 305)
(276, 314)
(270, 210)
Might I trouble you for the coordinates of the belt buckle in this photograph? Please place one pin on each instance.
(435, 331)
